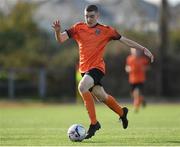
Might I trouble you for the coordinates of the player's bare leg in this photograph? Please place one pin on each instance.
(137, 101)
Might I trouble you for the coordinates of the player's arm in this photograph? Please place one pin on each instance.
(146, 65)
(127, 68)
(133, 44)
(60, 37)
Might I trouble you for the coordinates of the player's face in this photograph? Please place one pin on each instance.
(91, 18)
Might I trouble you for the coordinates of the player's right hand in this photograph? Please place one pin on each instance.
(56, 26)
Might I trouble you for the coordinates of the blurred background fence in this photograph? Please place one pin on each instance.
(42, 84)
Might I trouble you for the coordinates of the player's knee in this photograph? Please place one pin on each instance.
(136, 92)
(82, 87)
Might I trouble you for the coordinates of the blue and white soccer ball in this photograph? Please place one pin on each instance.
(76, 132)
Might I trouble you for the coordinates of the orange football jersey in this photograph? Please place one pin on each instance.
(137, 68)
(92, 42)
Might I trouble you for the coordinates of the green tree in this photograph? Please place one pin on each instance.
(19, 35)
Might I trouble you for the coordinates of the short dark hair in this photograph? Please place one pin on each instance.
(90, 8)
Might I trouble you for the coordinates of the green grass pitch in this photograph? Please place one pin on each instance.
(46, 125)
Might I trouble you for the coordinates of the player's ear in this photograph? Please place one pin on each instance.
(97, 14)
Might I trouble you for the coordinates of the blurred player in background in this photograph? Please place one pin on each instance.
(92, 38)
(136, 66)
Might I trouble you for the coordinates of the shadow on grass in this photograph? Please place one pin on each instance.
(174, 141)
(91, 141)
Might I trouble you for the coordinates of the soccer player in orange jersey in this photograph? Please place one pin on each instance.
(136, 66)
(92, 38)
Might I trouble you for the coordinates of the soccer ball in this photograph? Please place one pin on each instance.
(76, 132)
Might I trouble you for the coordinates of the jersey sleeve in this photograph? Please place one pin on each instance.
(128, 60)
(72, 31)
(145, 61)
(113, 34)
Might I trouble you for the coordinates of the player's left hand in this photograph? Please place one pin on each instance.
(149, 54)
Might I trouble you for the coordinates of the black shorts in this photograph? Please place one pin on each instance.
(137, 86)
(96, 74)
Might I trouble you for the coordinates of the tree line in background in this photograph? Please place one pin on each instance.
(24, 45)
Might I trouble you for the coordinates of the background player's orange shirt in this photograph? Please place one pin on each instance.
(92, 42)
(137, 68)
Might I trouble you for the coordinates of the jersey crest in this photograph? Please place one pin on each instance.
(97, 31)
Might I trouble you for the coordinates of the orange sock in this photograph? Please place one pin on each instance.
(89, 103)
(113, 104)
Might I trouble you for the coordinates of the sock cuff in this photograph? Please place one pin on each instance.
(87, 95)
